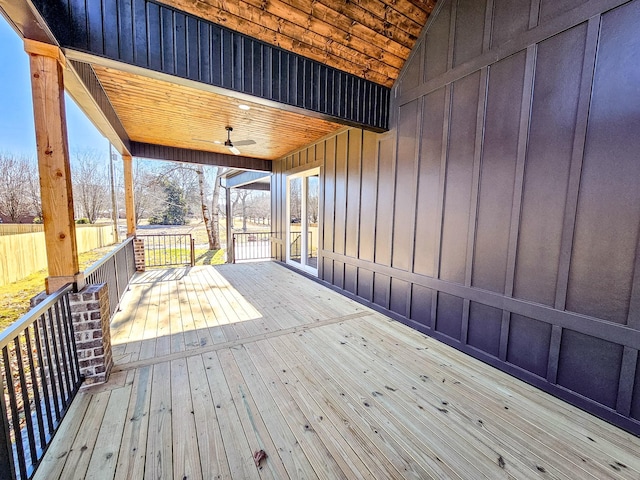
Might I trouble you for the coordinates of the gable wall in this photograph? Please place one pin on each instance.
(501, 214)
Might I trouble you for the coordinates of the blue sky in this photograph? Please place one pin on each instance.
(17, 134)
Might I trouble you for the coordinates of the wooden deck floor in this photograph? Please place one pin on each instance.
(216, 363)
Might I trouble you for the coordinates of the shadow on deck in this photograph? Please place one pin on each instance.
(215, 363)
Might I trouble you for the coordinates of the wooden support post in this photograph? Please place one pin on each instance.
(47, 87)
(229, 212)
(128, 195)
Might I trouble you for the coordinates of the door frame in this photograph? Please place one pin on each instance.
(304, 221)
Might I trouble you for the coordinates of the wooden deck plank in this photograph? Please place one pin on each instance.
(186, 457)
(53, 463)
(552, 422)
(133, 449)
(237, 448)
(490, 414)
(322, 456)
(213, 459)
(83, 444)
(349, 419)
(250, 416)
(397, 426)
(287, 446)
(159, 458)
(213, 363)
(105, 453)
(433, 422)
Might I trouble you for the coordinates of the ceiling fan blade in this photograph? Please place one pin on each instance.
(234, 150)
(244, 142)
(217, 142)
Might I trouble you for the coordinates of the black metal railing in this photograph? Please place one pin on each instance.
(168, 250)
(252, 246)
(39, 376)
(115, 270)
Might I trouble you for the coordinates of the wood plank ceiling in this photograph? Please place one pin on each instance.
(162, 113)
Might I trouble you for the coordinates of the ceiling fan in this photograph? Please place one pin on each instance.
(232, 146)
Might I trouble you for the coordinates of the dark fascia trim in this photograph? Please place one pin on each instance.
(153, 37)
(89, 94)
(185, 155)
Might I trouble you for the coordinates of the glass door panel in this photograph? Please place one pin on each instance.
(312, 213)
(303, 192)
(295, 220)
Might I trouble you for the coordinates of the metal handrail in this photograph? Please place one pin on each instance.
(8, 334)
(39, 378)
(107, 257)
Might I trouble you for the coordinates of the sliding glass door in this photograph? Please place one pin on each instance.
(303, 192)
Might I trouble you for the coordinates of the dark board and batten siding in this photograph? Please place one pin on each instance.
(153, 36)
(501, 214)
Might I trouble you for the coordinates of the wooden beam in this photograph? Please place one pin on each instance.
(128, 196)
(47, 86)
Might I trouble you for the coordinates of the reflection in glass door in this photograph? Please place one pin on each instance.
(303, 192)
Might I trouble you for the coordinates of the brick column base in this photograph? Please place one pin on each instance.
(138, 253)
(90, 316)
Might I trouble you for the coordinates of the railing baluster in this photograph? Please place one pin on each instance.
(7, 463)
(59, 351)
(66, 306)
(15, 418)
(35, 385)
(26, 407)
(50, 365)
(43, 375)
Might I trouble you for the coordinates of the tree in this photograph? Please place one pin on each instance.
(241, 197)
(147, 191)
(90, 181)
(175, 212)
(14, 179)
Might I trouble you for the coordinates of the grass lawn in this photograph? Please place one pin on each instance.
(15, 297)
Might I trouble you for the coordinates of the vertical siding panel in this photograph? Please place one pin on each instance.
(506, 80)
(125, 30)
(94, 27)
(558, 77)
(459, 176)
(437, 44)
(469, 30)
(342, 145)
(329, 194)
(368, 196)
(353, 192)
(428, 191)
(510, 18)
(604, 250)
(384, 214)
(79, 32)
(404, 202)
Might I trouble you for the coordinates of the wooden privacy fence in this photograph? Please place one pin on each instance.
(25, 253)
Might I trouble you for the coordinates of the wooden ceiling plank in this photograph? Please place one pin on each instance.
(405, 7)
(392, 25)
(325, 20)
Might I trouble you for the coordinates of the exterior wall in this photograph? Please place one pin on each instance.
(501, 214)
